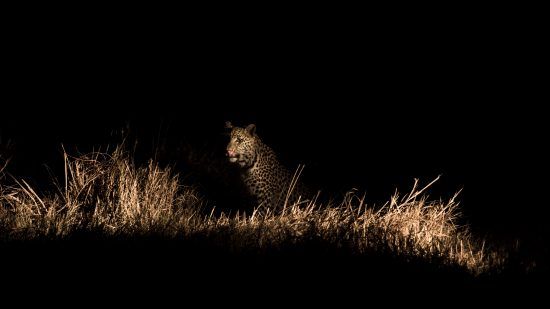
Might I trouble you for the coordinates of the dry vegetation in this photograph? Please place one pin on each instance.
(108, 195)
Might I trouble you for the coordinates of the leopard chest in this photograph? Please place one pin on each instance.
(266, 179)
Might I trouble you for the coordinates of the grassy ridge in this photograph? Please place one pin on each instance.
(106, 196)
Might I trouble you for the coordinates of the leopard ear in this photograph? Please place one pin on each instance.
(251, 129)
(228, 125)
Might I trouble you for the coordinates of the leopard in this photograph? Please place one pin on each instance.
(265, 178)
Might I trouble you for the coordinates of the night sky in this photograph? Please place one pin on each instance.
(369, 104)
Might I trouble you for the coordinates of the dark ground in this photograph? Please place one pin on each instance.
(369, 105)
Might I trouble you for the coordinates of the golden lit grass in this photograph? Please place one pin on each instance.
(110, 196)
(100, 192)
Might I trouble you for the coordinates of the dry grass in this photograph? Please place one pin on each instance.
(107, 195)
(100, 193)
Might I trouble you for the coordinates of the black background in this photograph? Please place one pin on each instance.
(367, 97)
(369, 101)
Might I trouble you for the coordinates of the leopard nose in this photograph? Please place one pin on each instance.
(231, 153)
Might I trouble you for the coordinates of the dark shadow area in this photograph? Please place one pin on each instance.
(199, 265)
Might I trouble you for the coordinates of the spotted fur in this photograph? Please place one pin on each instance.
(266, 179)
